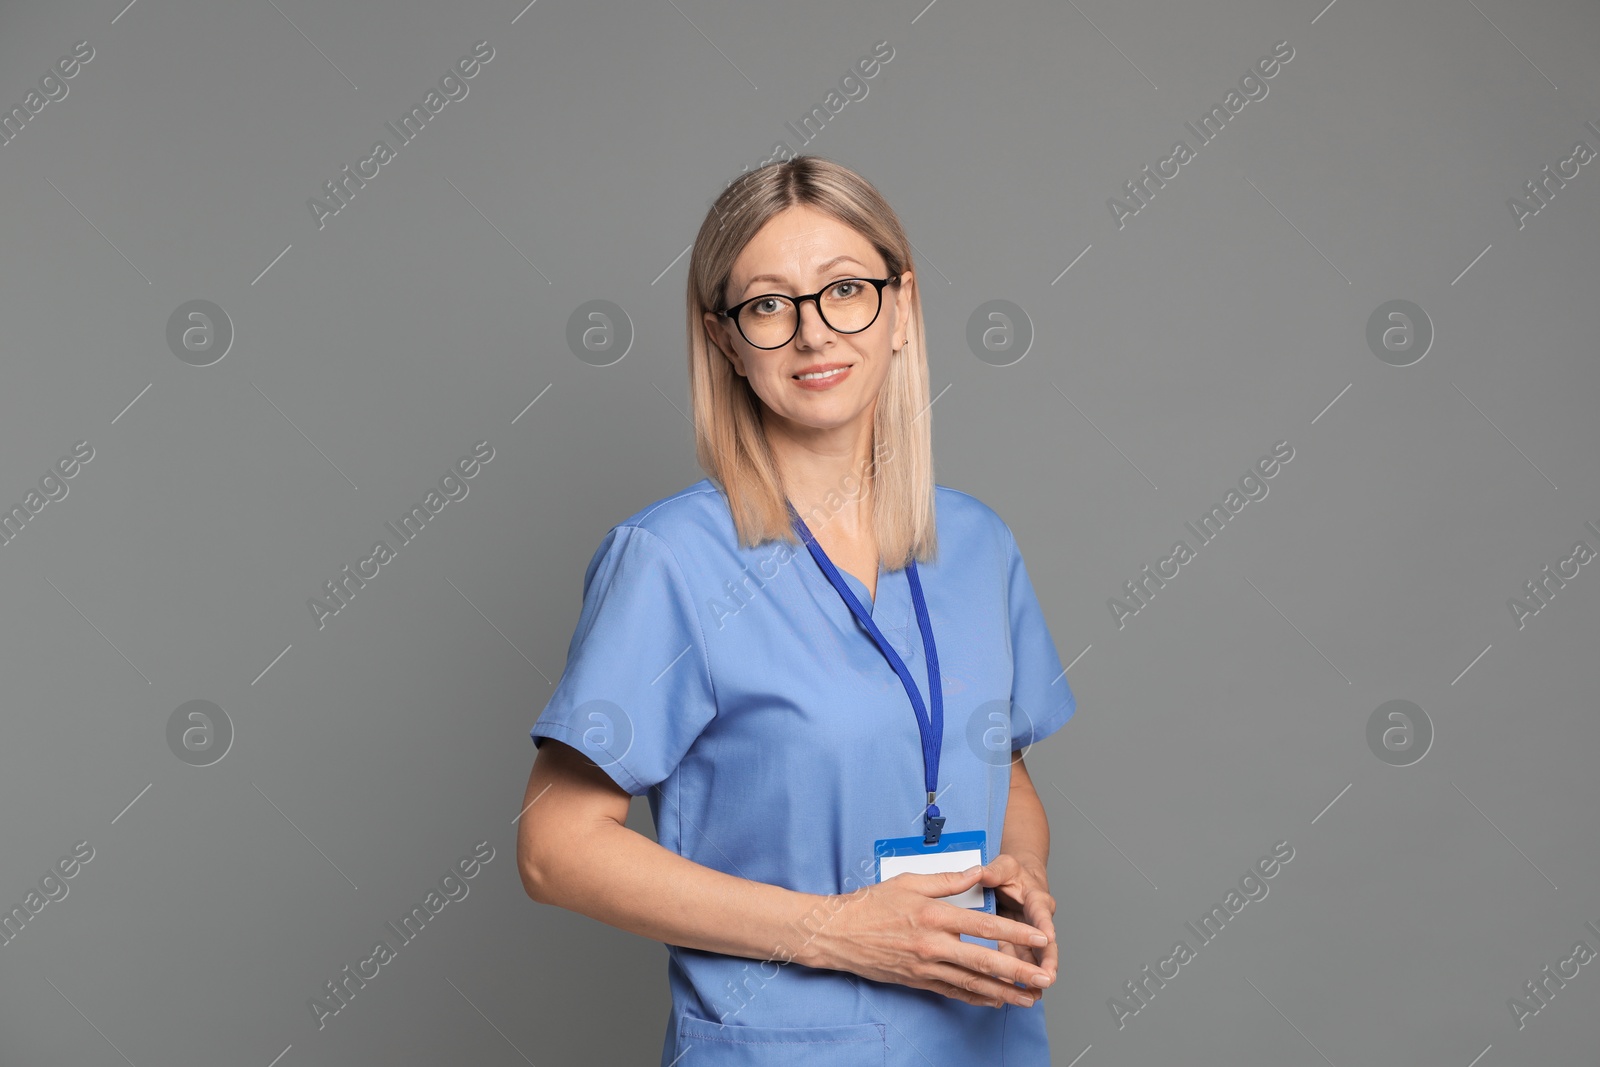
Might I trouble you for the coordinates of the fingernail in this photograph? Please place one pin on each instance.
(969, 870)
(1042, 980)
(1027, 1002)
(1038, 939)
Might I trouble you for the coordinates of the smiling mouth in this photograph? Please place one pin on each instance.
(819, 375)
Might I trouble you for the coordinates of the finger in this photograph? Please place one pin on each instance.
(1029, 956)
(989, 961)
(1047, 956)
(1003, 868)
(1004, 967)
(959, 920)
(954, 993)
(982, 983)
(956, 921)
(1050, 959)
(1039, 910)
(942, 884)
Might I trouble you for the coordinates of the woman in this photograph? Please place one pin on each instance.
(759, 652)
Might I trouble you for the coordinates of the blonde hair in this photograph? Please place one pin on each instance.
(730, 443)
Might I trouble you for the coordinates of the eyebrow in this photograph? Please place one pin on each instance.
(826, 266)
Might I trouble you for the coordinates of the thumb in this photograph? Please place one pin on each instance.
(948, 883)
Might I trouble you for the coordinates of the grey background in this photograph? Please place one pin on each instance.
(427, 315)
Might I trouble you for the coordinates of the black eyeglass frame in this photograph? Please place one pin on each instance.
(815, 298)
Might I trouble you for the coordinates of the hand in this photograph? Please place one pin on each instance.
(898, 931)
(1019, 882)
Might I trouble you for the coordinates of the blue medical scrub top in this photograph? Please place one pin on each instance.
(776, 743)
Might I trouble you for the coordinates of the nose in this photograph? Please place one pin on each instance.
(813, 329)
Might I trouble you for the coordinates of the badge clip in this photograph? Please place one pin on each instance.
(932, 823)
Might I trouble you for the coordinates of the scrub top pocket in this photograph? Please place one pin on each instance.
(732, 1045)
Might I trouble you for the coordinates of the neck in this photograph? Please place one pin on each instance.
(825, 469)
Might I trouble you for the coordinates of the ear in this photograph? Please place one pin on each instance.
(717, 328)
(902, 307)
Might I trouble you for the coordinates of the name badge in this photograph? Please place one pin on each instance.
(954, 852)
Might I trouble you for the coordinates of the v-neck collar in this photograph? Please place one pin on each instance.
(891, 610)
(859, 588)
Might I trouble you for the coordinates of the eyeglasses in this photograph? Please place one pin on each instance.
(771, 320)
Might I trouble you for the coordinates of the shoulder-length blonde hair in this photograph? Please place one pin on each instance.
(730, 443)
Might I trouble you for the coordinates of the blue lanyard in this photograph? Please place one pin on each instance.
(932, 731)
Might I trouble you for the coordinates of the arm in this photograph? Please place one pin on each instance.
(1026, 833)
(1026, 837)
(574, 850)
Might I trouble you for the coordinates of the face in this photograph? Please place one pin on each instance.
(802, 250)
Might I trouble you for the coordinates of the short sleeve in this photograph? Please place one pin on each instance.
(636, 690)
(1041, 699)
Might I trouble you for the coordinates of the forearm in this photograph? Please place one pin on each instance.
(1027, 829)
(623, 879)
